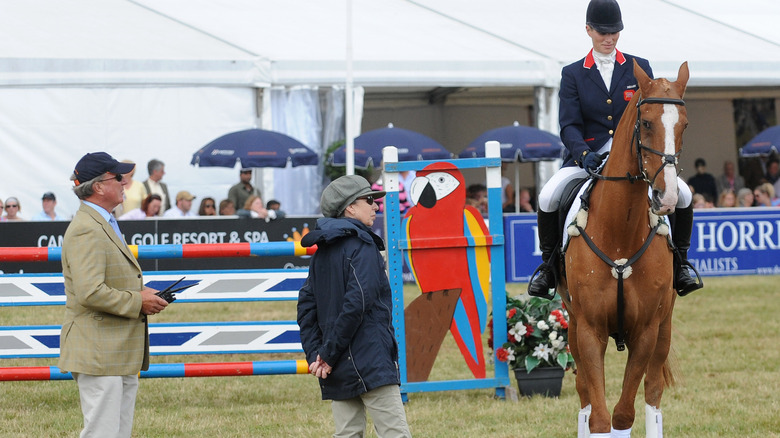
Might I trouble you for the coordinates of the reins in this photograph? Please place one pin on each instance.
(668, 160)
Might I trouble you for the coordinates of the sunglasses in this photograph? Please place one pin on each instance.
(7, 206)
(369, 199)
(118, 177)
(208, 206)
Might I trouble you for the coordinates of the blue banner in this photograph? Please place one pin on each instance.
(730, 241)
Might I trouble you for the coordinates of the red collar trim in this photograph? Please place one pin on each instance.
(590, 62)
(619, 57)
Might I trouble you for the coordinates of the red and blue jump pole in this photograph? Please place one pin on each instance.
(166, 370)
(191, 250)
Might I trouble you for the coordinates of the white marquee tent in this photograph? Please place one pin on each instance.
(145, 79)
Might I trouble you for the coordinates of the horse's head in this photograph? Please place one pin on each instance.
(660, 122)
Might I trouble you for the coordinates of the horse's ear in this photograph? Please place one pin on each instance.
(682, 78)
(642, 78)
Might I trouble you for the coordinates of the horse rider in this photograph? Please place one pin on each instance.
(593, 95)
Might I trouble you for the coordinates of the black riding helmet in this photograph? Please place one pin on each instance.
(604, 16)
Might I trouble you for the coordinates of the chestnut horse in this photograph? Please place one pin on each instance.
(621, 238)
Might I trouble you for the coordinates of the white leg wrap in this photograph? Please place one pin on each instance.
(626, 433)
(583, 430)
(654, 424)
(600, 435)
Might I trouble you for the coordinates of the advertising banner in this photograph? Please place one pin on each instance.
(170, 232)
(724, 242)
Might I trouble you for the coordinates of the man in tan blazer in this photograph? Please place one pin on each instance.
(105, 336)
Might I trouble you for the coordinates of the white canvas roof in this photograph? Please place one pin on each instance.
(485, 43)
(112, 43)
(394, 42)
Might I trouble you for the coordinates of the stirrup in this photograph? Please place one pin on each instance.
(543, 269)
(698, 284)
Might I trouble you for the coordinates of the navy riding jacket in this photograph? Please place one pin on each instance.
(345, 309)
(588, 113)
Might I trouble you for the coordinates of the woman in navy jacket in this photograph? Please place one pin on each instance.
(593, 95)
(345, 314)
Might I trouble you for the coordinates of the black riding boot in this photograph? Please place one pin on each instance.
(548, 239)
(681, 236)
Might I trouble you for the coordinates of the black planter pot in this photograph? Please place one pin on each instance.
(545, 381)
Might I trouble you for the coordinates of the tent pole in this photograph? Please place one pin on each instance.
(546, 120)
(348, 107)
(517, 187)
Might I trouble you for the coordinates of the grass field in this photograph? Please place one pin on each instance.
(726, 342)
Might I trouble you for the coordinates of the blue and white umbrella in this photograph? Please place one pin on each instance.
(411, 146)
(254, 148)
(518, 143)
(764, 144)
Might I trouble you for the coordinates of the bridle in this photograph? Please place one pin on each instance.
(668, 159)
(636, 138)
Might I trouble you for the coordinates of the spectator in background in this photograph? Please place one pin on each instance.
(509, 206)
(276, 206)
(476, 196)
(183, 207)
(12, 209)
(703, 182)
(764, 195)
(773, 173)
(149, 208)
(135, 193)
(153, 185)
(255, 209)
(727, 199)
(507, 192)
(404, 201)
(752, 170)
(49, 202)
(729, 179)
(745, 197)
(2, 207)
(208, 207)
(227, 208)
(405, 179)
(699, 201)
(525, 201)
(240, 192)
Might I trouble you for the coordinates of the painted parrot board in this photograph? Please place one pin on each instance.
(448, 250)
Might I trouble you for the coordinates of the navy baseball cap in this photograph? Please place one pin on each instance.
(97, 163)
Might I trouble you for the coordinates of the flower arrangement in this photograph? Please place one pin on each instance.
(537, 333)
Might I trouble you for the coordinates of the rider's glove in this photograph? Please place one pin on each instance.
(591, 161)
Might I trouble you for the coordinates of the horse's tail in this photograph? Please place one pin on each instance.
(671, 369)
